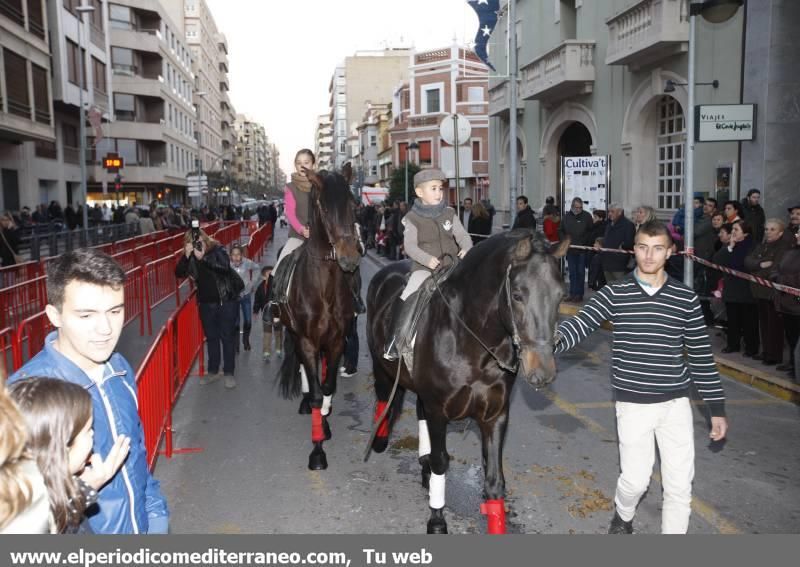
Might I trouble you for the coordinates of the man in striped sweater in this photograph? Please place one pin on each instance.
(661, 347)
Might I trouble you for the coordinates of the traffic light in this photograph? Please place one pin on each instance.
(117, 183)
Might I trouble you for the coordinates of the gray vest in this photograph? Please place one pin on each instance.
(435, 236)
(302, 208)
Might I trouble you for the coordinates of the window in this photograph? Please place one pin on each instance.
(70, 5)
(125, 107)
(96, 17)
(475, 94)
(425, 156)
(13, 10)
(120, 17)
(16, 84)
(127, 149)
(402, 152)
(431, 99)
(671, 138)
(99, 74)
(122, 60)
(373, 140)
(41, 97)
(36, 17)
(74, 63)
(476, 150)
(69, 136)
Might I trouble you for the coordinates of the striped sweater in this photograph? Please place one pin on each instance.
(660, 342)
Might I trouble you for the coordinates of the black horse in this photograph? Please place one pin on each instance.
(492, 320)
(320, 302)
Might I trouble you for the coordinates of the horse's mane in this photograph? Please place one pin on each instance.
(489, 259)
(335, 196)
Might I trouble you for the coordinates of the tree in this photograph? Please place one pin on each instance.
(397, 191)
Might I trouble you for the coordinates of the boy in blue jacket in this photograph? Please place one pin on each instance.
(86, 304)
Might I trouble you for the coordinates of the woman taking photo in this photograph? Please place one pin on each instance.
(218, 288)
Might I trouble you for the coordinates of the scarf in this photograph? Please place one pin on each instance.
(302, 183)
(428, 211)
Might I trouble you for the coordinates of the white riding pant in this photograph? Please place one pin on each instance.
(414, 281)
(640, 427)
(291, 245)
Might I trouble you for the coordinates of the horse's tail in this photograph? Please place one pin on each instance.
(289, 380)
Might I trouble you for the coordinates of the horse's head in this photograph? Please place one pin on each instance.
(334, 216)
(533, 289)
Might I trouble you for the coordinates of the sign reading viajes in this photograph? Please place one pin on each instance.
(725, 122)
(585, 177)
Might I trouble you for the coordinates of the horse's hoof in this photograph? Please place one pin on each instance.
(305, 405)
(437, 526)
(425, 462)
(317, 461)
(379, 444)
(326, 429)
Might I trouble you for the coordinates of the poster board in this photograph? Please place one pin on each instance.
(587, 177)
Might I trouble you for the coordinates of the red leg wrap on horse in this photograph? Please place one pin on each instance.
(495, 512)
(317, 434)
(383, 430)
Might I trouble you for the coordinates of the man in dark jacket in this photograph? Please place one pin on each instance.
(525, 217)
(576, 225)
(753, 213)
(620, 233)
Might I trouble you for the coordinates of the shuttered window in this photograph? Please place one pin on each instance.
(41, 95)
(36, 18)
(17, 84)
(425, 157)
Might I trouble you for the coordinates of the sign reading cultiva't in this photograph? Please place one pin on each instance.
(725, 122)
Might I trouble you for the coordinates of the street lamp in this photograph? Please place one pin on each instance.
(669, 86)
(411, 146)
(198, 137)
(715, 12)
(82, 117)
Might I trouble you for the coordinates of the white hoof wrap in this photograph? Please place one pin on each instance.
(436, 493)
(326, 405)
(303, 379)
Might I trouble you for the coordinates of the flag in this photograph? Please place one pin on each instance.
(96, 120)
(487, 11)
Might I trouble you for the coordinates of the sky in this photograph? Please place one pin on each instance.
(282, 53)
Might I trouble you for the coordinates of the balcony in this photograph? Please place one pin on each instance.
(500, 101)
(648, 32)
(564, 72)
(427, 121)
(121, 128)
(138, 40)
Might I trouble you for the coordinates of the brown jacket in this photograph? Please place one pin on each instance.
(764, 252)
(302, 208)
(427, 238)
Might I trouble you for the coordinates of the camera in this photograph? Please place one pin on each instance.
(196, 242)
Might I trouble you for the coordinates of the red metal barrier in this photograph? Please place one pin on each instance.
(31, 334)
(126, 259)
(127, 244)
(154, 382)
(105, 248)
(159, 283)
(7, 365)
(134, 297)
(18, 273)
(163, 373)
(255, 247)
(21, 301)
(146, 253)
(228, 235)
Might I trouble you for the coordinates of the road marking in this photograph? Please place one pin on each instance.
(701, 508)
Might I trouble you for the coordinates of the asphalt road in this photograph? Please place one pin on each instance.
(561, 463)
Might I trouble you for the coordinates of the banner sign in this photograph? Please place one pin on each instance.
(725, 122)
(585, 177)
(487, 11)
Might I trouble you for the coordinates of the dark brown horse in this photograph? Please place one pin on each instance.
(490, 322)
(320, 302)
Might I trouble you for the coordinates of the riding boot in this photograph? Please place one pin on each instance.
(402, 317)
(246, 336)
(355, 287)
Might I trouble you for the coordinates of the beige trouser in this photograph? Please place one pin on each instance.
(414, 281)
(640, 427)
(291, 245)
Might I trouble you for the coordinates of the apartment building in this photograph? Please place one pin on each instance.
(593, 81)
(153, 127)
(360, 79)
(443, 82)
(323, 142)
(250, 160)
(372, 135)
(26, 103)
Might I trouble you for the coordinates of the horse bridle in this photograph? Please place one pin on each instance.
(332, 256)
(515, 340)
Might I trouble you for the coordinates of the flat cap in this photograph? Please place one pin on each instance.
(428, 175)
(790, 209)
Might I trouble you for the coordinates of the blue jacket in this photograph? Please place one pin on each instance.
(131, 502)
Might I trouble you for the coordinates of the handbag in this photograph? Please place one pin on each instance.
(17, 258)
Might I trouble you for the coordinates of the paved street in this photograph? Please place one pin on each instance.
(560, 459)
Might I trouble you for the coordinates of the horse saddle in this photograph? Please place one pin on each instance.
(282, 277)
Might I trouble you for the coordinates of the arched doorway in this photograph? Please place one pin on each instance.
(575, 141)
